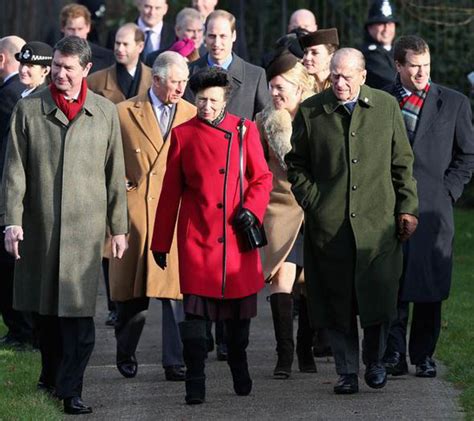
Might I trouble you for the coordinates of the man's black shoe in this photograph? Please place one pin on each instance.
(175, 373)
(375, 375)
(396, 364)
(9, 341)
(48, 389)
(427, 368)
(221, 351)
(75, 406)
(128, 367)
(347, 384)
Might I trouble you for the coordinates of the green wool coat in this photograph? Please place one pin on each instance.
(62, 182)
(352, 175)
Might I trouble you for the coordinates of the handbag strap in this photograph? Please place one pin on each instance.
(241, 129)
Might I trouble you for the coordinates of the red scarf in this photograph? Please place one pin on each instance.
(70, 109)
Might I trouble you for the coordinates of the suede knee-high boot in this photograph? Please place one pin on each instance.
(194, 337)
(237, 341)
(282, 312)
(304, 339)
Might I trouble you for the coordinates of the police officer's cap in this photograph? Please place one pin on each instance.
(35, 52)
(381, 11)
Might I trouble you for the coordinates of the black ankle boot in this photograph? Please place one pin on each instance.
(194, 338)
(237, 342)
(282, 313)
(304, 340)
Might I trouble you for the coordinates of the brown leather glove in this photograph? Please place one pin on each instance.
(406, 226)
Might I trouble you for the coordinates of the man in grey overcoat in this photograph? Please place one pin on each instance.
(351, 171)
(438, 121)
(63, 181)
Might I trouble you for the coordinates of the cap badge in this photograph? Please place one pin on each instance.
(386, 9)
(26, 54)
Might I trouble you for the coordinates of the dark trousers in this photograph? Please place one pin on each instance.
(66, 344)
(345, 347)
(131, 318)
(424, 331)
(19, 323)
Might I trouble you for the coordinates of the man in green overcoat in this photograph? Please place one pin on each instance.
(63, 181)
(351, 171)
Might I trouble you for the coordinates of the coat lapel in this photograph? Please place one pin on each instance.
(429, 111)
(236, 73)
(145, 118)
(111, 84)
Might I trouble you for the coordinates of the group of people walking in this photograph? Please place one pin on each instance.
(210, 178)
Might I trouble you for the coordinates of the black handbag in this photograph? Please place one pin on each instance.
(254, 236)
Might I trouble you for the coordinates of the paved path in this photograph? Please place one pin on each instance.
(304, 396)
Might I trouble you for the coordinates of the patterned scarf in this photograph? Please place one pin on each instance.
(411, 105)
(70, 109)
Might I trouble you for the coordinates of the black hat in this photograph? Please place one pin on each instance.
(319, 37)
(291, 42)
(381, 11)
(35, 52)
(209, 77)
(282, 61)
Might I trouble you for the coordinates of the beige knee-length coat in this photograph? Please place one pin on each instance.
(284, 216)
(145, 151)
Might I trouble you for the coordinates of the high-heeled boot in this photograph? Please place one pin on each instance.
(282, 313)
(237, 342)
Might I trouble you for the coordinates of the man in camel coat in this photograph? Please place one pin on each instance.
(146, 121)
(127, 77)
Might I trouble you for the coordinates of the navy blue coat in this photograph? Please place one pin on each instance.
(444, 159)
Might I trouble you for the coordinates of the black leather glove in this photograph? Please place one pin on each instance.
(160, 259)
(243, 220)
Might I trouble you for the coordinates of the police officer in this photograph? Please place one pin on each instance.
(380, 29)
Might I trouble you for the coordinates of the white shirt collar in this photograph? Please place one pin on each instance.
(26, 92)
(156, 29)
(156, 102)
(132, 71)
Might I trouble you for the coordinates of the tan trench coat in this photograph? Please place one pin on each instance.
(62, 181)
(137, 274)
(284, 216)
(104, 83)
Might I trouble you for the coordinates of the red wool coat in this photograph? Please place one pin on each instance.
(202, 176)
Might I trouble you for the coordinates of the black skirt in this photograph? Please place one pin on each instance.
(215, 309)
(296, 253)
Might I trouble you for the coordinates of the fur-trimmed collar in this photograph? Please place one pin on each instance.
(277, 127)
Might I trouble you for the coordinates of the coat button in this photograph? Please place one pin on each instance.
(227, 135)
(353, 134)
(138, 150)
(355, 161)
(221, 171)
(220, 206)
(353, 215)
(354, 187)
(220, 240)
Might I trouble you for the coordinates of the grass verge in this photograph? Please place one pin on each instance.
(456, 345)
(19, 399)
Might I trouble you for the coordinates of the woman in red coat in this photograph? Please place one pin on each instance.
(219, 281)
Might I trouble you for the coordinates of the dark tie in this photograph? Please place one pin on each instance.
(148, 45)
(350, 106)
